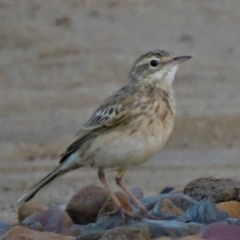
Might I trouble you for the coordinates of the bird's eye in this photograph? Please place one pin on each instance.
(153, 63)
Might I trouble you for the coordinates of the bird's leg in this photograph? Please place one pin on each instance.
(118, 179)
(118, 206)
(102, 178)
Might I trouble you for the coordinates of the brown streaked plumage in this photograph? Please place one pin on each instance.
(128, 128)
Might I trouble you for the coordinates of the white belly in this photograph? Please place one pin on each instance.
(120, 150)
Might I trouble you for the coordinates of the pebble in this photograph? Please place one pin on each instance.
(167, 190)
(74, 230)
(33, 225)
(221, 231)
(215, 189)
(126, 233)
(157, 228)
(180, 200)
(4, 227)
(107, 222)
(168, 207)
(196, 237)
(171, 228)
(205, 212)
(28, 208)
(53, 220)
(232, 208)
(84, 206)
(22, 233)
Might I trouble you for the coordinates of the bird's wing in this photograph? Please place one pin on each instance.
(112, 112)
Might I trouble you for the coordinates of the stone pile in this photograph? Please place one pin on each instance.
(207, 208)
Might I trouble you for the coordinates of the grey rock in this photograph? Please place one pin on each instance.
(180, 200)
(33, 226)
(138, 232)
(215, 189)
(205, 212)
(166, 190)
(4, 227)
(107, 222)
(157, 228)
(172, 228)
(74, 230)
(160, 214)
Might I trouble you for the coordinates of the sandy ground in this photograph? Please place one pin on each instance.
(59, 59)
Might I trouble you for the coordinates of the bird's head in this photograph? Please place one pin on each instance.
(156, 66)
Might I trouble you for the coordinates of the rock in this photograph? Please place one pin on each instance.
(167, 190)
(33, 226)
(28, 208)
(215, 189)
(221, 231)
(84, 206)
(22, 233)
(15, 233)
(171, 228)
(157, 228)
(4, 227)
(107, 222)
(205, 212)
(109, 205)
(74, 230)
(163, 238)
(195, 237)
(232, 208)
(126, 233)
(179, 200)
(168, 207)
(53, 220)
(137, 192)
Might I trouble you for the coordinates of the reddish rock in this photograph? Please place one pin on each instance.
(53, 220)
(28, 208)
(232, 208)
(74, 230)
(15, 233)
(22, 233)
(109, 206)
(168, 207)
(84, 206)
(137, 192)
(221, 231)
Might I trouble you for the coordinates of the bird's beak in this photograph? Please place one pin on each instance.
(180, 59)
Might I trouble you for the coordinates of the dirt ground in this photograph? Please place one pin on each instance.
(59, 59)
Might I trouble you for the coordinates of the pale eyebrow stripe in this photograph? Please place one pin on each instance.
(147, 60)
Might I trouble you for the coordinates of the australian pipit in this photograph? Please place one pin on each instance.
(128, 128)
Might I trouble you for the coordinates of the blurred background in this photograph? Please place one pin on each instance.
(59, 59)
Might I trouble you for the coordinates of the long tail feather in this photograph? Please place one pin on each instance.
(56, 173)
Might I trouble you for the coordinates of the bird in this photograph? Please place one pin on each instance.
(127, 129)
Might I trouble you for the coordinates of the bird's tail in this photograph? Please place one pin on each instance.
(57, 172)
